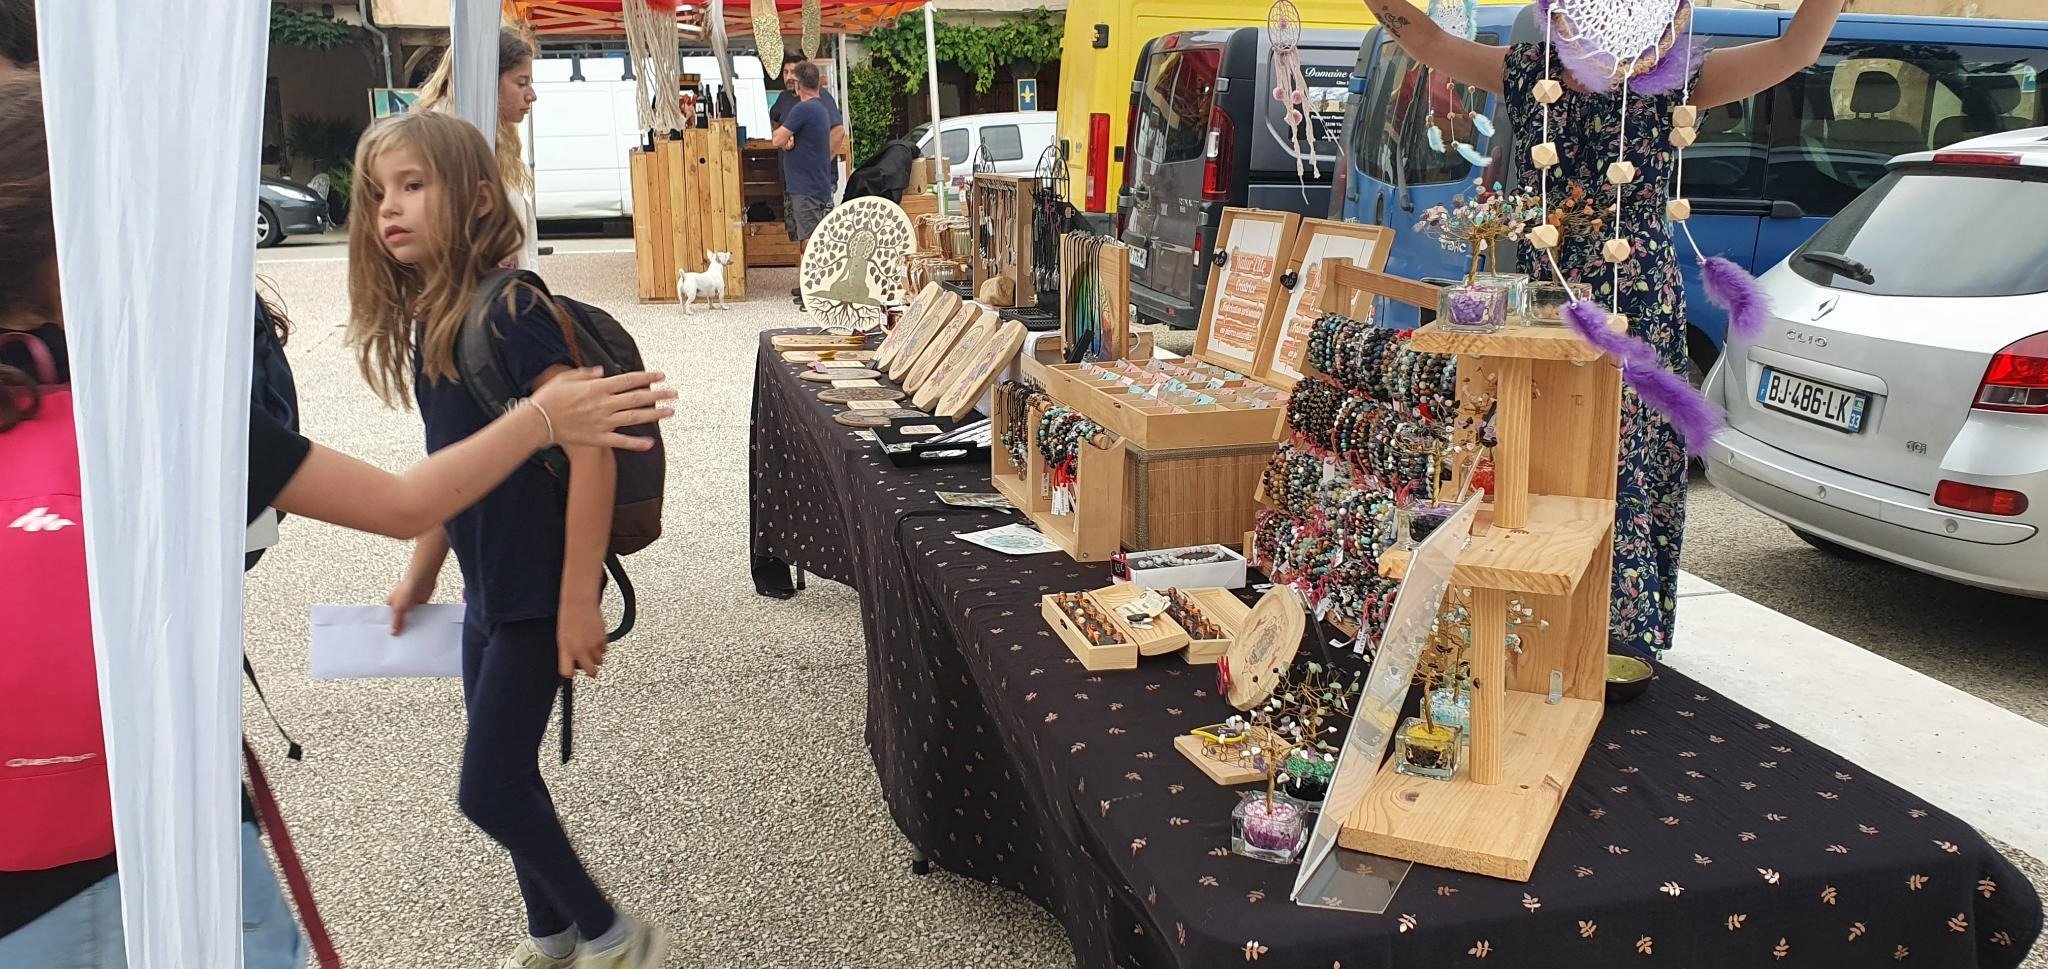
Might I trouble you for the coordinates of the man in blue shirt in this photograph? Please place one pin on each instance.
(806, 133)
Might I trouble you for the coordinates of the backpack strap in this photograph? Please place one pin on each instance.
(272, 823)
(292, 750)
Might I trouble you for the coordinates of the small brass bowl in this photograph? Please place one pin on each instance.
(1627, 678)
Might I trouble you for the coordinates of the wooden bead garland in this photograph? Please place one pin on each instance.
(1621, 173)
(1547, 91)
(1616, 250)
(1685, 116)
(1544, 155)
(1678, 209)
(1544, 237)
(1684, 137)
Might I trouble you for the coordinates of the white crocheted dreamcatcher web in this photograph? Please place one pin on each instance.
(1620, 32)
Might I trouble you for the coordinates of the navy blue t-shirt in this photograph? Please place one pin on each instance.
(509, 544)
(807, 168)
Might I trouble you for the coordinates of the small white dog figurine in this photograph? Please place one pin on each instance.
(708, 285)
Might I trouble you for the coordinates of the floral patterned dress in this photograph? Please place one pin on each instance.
(1649, 518)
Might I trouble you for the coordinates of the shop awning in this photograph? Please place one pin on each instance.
(605, 17)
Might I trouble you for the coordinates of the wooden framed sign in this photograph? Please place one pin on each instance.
(1252, 248)
(1318, 245)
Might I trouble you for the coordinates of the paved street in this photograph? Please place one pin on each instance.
(787, 858)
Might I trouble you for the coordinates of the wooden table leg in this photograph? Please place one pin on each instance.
(1489, 617)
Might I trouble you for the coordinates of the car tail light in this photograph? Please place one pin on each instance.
(1098, 162)
(1975, 158)
(1218, 157)
(1979, 499)
(2017, 379)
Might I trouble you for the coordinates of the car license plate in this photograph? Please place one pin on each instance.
(1811, 400)
(1138, 257)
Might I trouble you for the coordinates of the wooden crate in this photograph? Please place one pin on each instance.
(1191, 496)
(915, 204)
(687, 201)
(769, 245)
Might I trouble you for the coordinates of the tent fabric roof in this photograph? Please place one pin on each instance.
(605, 17)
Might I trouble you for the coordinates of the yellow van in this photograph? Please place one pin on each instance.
(1099, 58)
(1100, 54)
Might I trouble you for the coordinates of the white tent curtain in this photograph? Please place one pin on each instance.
(473, 42)
(154, 113)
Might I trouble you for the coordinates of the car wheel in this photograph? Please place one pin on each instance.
(1835, 549)
(1703, 351)
(268, 231)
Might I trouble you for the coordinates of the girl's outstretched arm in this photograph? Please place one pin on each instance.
(1483, 66)
(583, 409)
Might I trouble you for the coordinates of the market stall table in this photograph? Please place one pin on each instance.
(1696, 834)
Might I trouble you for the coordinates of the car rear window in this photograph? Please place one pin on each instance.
(1002, 143)
(1173, 111)
(1937, 231)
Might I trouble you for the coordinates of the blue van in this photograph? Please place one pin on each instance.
(1765, 172)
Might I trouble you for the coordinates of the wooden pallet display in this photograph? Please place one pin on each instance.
(686, 201)
(1552, 547)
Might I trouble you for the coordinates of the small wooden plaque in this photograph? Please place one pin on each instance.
(1263, 652)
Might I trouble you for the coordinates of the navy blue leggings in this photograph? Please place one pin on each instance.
(509, 683)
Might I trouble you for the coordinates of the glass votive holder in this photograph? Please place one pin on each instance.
(1517, 286)
(1472, 308)
(1269, 829)
(1425, 750)
(1546, 302)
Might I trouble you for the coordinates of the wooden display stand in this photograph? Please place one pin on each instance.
(1002, 202)
(1091, 533)
(1552, 547)
(1115, 259)
(686, 201)
(1193, 475)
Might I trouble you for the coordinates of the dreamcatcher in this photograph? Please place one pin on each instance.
(1458, 129)
(1052, 217)
(650, 26)
(1283, 32)
(1641, 47)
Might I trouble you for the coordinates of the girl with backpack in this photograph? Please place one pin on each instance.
(59, 888)
(432, 229)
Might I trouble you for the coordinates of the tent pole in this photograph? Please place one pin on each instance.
(931, 67)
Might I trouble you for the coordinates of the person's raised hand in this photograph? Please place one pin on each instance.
(586, 408)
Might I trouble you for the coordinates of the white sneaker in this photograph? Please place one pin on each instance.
(529, 956)
(646, 947)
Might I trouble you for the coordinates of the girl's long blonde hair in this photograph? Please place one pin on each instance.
(471, 232)
(515, 50)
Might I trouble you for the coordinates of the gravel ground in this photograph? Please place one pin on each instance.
(668, 735)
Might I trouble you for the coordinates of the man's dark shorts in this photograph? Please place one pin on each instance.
(801, 215)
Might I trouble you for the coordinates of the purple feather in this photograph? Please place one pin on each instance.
(1691, 415)
(1590, 69)
(1669, 73)
(1590, 320)
(1736, 291)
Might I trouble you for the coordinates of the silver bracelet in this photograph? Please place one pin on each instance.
(544, 417)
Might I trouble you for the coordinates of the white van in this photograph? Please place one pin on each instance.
(586, 119)
(1011, 142)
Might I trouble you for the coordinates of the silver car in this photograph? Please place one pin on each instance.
(1897, 402)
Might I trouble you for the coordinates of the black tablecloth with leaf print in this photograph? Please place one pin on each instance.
(1697, 834)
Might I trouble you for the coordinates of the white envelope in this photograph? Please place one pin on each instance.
(356, 641)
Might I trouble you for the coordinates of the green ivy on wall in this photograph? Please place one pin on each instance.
(1034, 36)
(303, 28)
(870, 110)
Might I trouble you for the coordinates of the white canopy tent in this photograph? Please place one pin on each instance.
(166, 101)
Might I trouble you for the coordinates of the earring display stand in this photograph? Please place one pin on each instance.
(1552, 548)
(1091, 533)
(998, 210)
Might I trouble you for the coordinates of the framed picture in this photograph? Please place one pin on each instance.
(387, 101)
(1319, 245)
(1240, 303)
